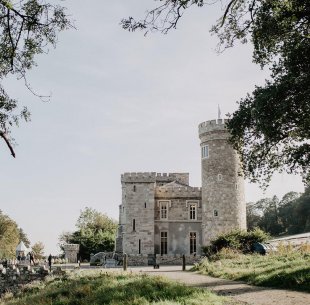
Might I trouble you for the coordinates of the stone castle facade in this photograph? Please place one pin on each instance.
(162, 214)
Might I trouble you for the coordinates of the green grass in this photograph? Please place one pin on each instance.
(290, 270)
(99, 287)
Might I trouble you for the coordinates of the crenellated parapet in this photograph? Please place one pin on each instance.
(212, 125)
(155, 177)
(169, 177)
(139, 177)
(178, 192)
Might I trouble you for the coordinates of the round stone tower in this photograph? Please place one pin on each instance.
(223, 202)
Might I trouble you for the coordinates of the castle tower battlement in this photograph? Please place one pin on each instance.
(223, 199)
(212, 125)
(150, 177)
(138, 177)
(169, 177)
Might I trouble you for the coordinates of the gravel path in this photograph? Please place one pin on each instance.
(239, 291)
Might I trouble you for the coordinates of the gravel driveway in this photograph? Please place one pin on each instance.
(244, 293)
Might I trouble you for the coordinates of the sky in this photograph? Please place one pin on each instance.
(120, 102)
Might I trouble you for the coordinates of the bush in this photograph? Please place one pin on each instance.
(238, 240)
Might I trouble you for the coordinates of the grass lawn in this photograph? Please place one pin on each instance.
(100, 287)
(289, 270)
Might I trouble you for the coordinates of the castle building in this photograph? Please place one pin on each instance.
(162, 214)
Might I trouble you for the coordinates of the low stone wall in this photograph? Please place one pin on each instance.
(13, 278)
(142, 260)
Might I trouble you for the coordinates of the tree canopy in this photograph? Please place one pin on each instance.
(9, 236)
(271, 127)
(290, 215)
(27, 28)
(96, 233)
(38, 250)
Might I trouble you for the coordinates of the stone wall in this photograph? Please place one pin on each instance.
(138, 213)
(13, 278)
(142, 260)
(222, 182)
(71, 252)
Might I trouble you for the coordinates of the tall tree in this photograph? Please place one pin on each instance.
(9, 236)
(23, 237)
(271, 127)
(27, 28)
(38, 250)
(96, 233)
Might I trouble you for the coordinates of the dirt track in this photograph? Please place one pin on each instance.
(239, 291)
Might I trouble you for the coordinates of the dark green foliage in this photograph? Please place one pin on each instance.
(289, 216)
(239, 240)
(27, 28)
(271, 128)
(96, 233)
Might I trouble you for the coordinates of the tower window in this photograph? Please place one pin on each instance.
(205, 152)
(236, 186)
(163, 243)
(139, 246)
(145, 205)
(134, 225)
(163, 209)
(215, 213)
(192, 211)
(219, 177)
(192, 242)
(134, 188)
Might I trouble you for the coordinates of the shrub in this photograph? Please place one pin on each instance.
(238, 240)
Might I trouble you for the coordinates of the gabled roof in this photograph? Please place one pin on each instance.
(175, 185)
(21, 247)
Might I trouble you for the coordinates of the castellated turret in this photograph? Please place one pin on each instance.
(223, 202)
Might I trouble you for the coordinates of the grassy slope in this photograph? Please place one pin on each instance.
(108, 288)
(286, 270)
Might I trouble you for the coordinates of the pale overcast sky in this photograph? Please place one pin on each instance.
(120, 102)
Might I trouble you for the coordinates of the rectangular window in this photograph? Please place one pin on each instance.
(163, 209)
(163, 242)
(205, 152)
(134, 225)
(192, 242)
(192, 211)
(139, 246)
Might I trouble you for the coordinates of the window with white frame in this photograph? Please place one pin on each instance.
(193, 211)
(163, 209)
(205, 151)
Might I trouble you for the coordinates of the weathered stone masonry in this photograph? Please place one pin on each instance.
(161, 214)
